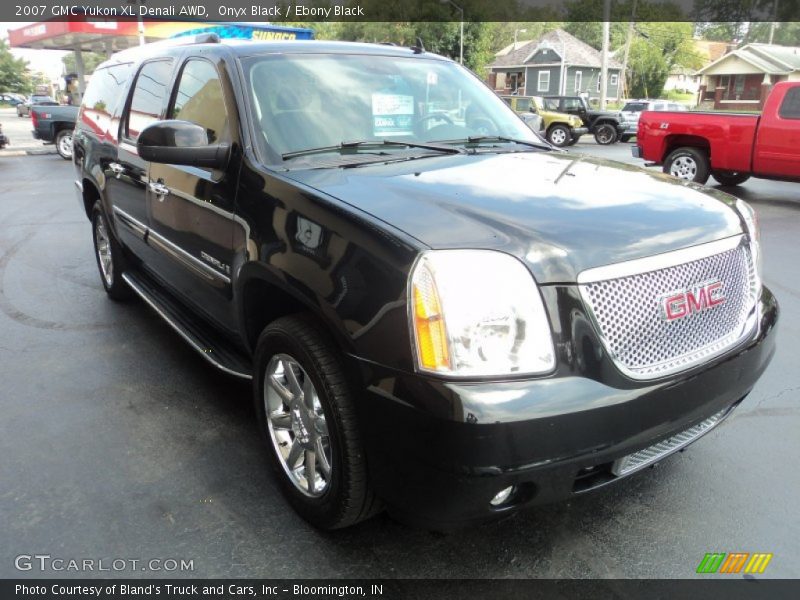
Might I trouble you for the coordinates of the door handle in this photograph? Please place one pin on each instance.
(117, 169)
(158, 188)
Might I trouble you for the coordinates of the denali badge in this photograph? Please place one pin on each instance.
(683, 303)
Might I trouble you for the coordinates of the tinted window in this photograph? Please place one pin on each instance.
(790, 107)
(105, 88)
(551, 104)
(148, 97)
(572, 104)
(199, 99)
(523, 104)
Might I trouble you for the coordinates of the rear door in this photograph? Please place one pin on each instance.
(126, 176)
(192, 209)
(777, 149)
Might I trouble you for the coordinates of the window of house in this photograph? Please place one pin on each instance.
(598, 82)
(613, 80)
(578, 80)
(199, 99)
(790, 107)
(544, 81)
(148, 97)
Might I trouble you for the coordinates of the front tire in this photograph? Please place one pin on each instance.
(305, 408)
(64, 143)
(110, 259)
(559, 135)
(688, 163)
(730, 177)
(605, 134)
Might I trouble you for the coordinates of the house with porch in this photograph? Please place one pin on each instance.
(558, 63)
(743, 78)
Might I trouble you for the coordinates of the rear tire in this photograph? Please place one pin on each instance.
(688, 163)
(305, 408)
(730, 177)
(110, 258)
(605, 134)
(63, 143)
(559, 135)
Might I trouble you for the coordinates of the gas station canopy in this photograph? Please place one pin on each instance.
(88, 36)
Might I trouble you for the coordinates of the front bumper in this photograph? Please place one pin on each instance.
(438, 466)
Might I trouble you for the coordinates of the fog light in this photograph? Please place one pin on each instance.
(502, 496)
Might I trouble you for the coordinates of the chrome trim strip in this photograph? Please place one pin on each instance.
(79, 185)
(657, 452)
(136, 226)
(163, 244)
(658, 261)
(202, 351)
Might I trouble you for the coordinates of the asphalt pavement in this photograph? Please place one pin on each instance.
(18, 130)
(118, 441)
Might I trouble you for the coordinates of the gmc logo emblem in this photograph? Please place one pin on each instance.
(683, 303)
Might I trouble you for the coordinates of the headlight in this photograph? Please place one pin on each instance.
(751, 225)
(478, 313)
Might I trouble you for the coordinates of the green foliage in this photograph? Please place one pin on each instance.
(90, 62)
(647, 70)
(13, 76)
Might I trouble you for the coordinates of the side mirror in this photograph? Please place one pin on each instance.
(180, 143)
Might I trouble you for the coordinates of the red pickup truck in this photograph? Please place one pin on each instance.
(727, 146)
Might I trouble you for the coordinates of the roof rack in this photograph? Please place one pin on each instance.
(184, 40)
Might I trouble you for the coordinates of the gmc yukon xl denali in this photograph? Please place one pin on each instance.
(441, 314)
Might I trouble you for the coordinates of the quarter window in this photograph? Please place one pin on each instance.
(544, 81)
(790, 107)
(199, 99)
(106, 88)
(148, 97)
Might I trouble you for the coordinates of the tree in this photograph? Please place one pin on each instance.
(90, 62)
(13, 72)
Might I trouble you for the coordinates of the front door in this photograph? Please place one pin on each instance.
(777, 151)
(192, 209)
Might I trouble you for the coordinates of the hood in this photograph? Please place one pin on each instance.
(559, 213)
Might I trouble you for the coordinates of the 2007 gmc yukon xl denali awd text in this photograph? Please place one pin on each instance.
(449, 324)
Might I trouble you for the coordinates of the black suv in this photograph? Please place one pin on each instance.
(607, 127)
(440, 313)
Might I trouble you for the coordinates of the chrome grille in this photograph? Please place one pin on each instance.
(648, 456)
(628, 314)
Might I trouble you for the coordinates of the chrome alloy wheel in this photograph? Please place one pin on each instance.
(103, 244)
(65, 145)
(297, 425)
(683, 167)
(558, 137)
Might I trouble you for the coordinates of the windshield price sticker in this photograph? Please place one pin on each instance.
(392, 114)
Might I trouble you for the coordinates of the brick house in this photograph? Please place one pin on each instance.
(742, 79)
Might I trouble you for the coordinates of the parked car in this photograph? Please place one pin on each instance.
(633, 109)
(24, 109)
(560, 129)
(12, 99)
(54, 125)
(606, 126)
(449, 323)
(729, 147)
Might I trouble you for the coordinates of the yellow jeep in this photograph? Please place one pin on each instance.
(561, 129)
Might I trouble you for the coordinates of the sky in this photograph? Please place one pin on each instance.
(47, 61)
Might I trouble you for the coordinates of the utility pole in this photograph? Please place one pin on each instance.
(604, 56)
(623, 87)
(773, 23)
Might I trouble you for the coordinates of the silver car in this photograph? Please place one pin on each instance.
(634, 108)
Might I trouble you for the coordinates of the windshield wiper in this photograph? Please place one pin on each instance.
(479, 139)
(372, 144)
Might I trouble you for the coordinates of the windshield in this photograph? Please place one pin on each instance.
(308, 101)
